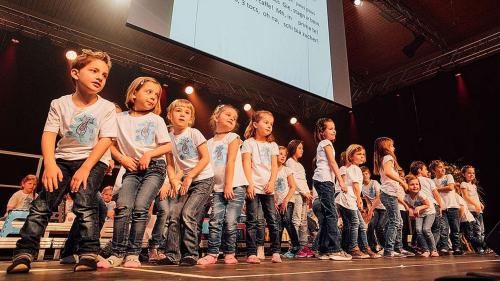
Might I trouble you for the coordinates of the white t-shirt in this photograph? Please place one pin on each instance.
(342, 171)
(218, 157)
(282, 186)
(401, 195)
(21, 200)
(419, 201)
(111, 205)
(261, 153)
(299, 174)
(449, 198)
(323, 172)
(185, 152)
(472, 190)
(388, 186)
(139, 134)
(468, 217)
(348, 199)
(80, 128)
(427, 186)
(370, 191)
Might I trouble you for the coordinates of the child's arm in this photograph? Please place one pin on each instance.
(469, 200)
(202, 163)
(447, 188)
(388, 171)
(335, 168)
(423, 207)
(232, 151)
(438, 199)
(292, 187)
(173, 176)
(146, 157)
(357, 191)
(127, 162)
(247, 169)
(269, 188)
(52, 174)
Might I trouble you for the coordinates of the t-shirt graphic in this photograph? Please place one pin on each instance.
(145, 132)
(186, 149)
(219, 155)
(83, 128)
(372, 192)
(280, 185)
(265, 155)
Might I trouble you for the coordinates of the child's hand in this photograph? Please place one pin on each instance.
(164, 191)
(269, 188)
(228, 193)
(343, 187)
(307, 197)
(185, 185)
(250, 194)
(144, 161)
(174, 187)
(52, 175)
(412, 212)
(129, 163)
(79, 178)
(283, 206)
(478, 208)
(404, 185)
(359, 202)
(111, 166)
(370, 213)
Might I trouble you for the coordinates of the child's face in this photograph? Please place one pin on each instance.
(107, 196)
(264, 127)
(439, 170)
(28, 186)
(146, 97)
(181, 116)
(401, 173)
(329, 133)
(300, 151)
(282, 156)
(470, 174)
(414, 186)
(391, 147)
(359, 157)
(366, 176)
(226, 121)
(91, 79)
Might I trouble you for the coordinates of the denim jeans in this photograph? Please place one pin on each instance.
(472, 232)
(394, 224)
(329, 237)
(271, 216)
(436, 226)
(423, 227)
(138, 191)
(316, 207)
(480, 224)
(224, 220)
(261, 227)
(158, 238)
(285, 222)
(172, 231)
(362, 236)
(299, 219)
(84, 208)
(191, 215)
(405, 230)
(451, 229)
(350, 230)
(375, 230)
(71, 244)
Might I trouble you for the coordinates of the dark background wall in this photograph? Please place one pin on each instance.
(429, 120)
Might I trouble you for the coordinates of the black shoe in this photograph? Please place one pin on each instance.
(85, 264)
(188, 261)
(20, 265)
(168, 261)
(458, 252)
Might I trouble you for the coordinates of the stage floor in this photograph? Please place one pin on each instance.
(308, 269)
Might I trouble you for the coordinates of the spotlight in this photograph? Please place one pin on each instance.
(458, 74)
(293, 120)
(189, 90)
(350, 111)
(357, 3)
(410, 49)
(15, 40)
(247, 107)
(71, 55)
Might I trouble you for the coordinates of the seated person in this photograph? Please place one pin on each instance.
(107, 196)
(22, 199)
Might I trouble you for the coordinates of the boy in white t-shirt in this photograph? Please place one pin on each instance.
(21, 200)
(376, 211)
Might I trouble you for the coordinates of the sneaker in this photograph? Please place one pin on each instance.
(406, 253)
(324, 257)
(372, 254)
(230, 259)
(480, 251)
(289, 255)
(69, 259)
(112, 261)
(153, 255)
(132, 261)
(208, 259)
(86, 263)
(393, 254)
(302, 253)
(443, 252)
(340, 256)
(310, 253)
(434, 254)
(253, 259)
(188, 261)
(357, 254)
(260, 252)
(458, 252)
(425, 254)
(168, 260)
(276, 258)
(20, 264)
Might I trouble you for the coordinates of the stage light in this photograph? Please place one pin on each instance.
(71, 55)
(189, 90)
(247, 107)
(458, 74)
(15, 40)
(357, 3)
(410, 49)
(350, 111)
(293, 120)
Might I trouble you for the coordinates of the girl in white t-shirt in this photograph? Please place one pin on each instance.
(471, 196)
(386, 165)
(376, 211)
(21, 200)
(140, 147)
(230, 185)
(260, 163)
(468, 224)
(325, 174)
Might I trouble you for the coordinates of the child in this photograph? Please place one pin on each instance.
(376, 211)
(157, 239)
(140, 147)
(86, 124)
(21, 200)
(194, 184)
(285, 189)
(302, 197)
(107, 196)
(325, 173)
(468, 224)
(229, 188)
(451, 218)
(386, 165)
(423, 210)
(471, 196)
(260, 163)
(401, 246)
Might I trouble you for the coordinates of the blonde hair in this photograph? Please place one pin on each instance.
(181, 103)
(87, 56)
(106, 189)
(217, 112)
(135, 86)
(29, 177)
(351, 150)
(256, 117)
(411, 177)
(434, 163)
(381, 149)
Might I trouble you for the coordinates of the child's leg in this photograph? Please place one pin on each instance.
(287, 220)
(157, 237)
(405, 230)
(380, 226)
(398, 245)
(261, 226)
(233, 212)
(479, 229)
(252, 208)
(393, 217)
(419, 222)
(173, 232)
(271, 216)
(444, 232)
(219, 205)
(436, 226)
(331, 239)
(351, 226)
(427, 231)
(454, 223)
(316, 207)
(362, 235)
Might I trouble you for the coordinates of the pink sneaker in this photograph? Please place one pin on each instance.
(310, 253)
(276, 258)
(103, 264)
(425, 254)
(253, 259)
(302, 253)
(132, 261)
(230, 259)
(208, 259)
(434, 254)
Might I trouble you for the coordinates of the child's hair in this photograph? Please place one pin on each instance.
(256, 117)
(118, 107)
(107, 188)
(292, 147)
(464, 170)
(381, 149)
(343, 158)
(411, 177)
(415, 166)
(282, 147)
(29, 177)
(320, 128)
(351, 150)
(365, 169)
(217, 111)
(434, 163)
(135, 86)
(88, 56)
(181, 103)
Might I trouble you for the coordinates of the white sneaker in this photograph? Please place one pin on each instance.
(324, 257)
(340, 256)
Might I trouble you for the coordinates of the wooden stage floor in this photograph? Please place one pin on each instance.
(289, 270)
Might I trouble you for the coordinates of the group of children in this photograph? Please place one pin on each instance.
(178, 170)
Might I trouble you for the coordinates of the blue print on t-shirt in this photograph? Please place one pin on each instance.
(280, 185)
(186, 149)
(265, 155)
(219, 155)
(83, 129)
(145, 132)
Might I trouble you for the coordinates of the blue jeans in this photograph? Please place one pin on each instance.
(423, 227)
(285, 222)
(84, 207)
(451, 229)
(316, 207)
(329, 237)
(71, 244)
(172, 231)
(299, 218)
(480, 224)
(394, 224)
(350, 230)
(472, 232)
(375, 230)
(158, 237)
(271, 216)
(436, 226)
(224, 221)
(138, 191)
(261, 227)
(192, 213)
